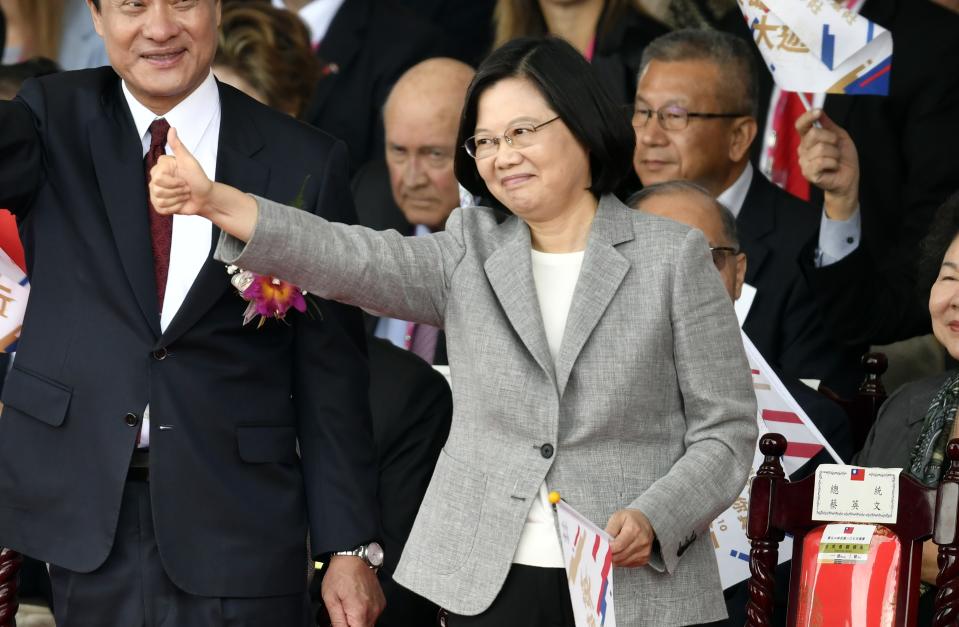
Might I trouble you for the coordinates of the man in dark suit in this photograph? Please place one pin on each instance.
(364, 49)
(695, 120)
(412, 408)
(907, 171)
(414, 190)
(192, 453)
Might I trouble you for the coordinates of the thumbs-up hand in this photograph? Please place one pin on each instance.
(178, 184)
(828, 158)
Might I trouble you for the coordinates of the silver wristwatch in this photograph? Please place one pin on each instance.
(371, 553)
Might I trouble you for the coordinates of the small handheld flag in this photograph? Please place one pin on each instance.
(820, 46)
(589, 566)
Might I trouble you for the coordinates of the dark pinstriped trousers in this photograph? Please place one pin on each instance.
(131, 589)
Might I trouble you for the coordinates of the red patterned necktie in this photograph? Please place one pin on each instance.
(785, 159)
(161, 227)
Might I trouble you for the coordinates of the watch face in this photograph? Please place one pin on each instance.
(374, 554)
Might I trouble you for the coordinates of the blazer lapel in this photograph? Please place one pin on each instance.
(510, 272)
(756, 220)
(604, 269)
(239, 140)
(117, 156)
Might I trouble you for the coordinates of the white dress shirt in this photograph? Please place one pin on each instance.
(197, 121)
(318, 15)
(555, 276)
(734, 196)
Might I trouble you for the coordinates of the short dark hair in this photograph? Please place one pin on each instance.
(728, 52)
(681, 186)
(570, 86)
(932, 250)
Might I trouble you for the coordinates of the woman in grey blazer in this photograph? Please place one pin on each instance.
(593, 351)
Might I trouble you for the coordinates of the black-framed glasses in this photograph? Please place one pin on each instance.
(521, 136)
(673, 118)
(720, 253)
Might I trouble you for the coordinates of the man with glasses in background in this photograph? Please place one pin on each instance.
(695, 119)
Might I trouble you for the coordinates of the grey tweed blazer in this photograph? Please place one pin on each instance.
(649, 406)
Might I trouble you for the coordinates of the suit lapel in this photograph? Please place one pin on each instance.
(239, 140)
(756, 220)
(337, 50)
(118, 161)
(510, 272)
(604, 269)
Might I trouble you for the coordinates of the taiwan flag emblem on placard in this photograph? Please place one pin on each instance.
(848, 530)
(857, 474)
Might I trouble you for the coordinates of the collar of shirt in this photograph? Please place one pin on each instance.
(318, 16)
(191, 117)
(735, 195)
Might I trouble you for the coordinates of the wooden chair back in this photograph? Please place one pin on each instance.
(863, 408)
(777, 507)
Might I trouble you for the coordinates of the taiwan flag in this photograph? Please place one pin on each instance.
(857, 474)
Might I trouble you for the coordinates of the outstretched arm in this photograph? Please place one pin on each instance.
(383, 272)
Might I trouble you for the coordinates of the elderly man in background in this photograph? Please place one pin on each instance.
(420, 117)
(695, 119)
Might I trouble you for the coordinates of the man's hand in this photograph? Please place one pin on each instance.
(829, 160)
(352, 593)
(633, 537)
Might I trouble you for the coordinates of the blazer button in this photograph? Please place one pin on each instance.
(131, 419)
(546, 450)
(160, 354)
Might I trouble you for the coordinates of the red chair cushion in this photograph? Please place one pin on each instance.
(859, 594)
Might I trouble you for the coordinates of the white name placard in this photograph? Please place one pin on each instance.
(853, 494)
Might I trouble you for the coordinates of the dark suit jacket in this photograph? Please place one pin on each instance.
(619, 51)
(232, 499)
(369, 44)
(468, 26)
(412, 408)
(784, 322)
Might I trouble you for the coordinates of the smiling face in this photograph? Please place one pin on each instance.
(710, 152)
(544, 179)
(162, 49)
(944, 301)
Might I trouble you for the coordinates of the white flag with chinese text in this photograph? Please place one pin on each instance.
(776, 411)
(589, 568)
(14, 290)
(820, 46)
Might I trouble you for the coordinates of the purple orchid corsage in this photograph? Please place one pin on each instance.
(267, 296)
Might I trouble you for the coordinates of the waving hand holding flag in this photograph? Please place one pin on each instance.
(820, 46)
